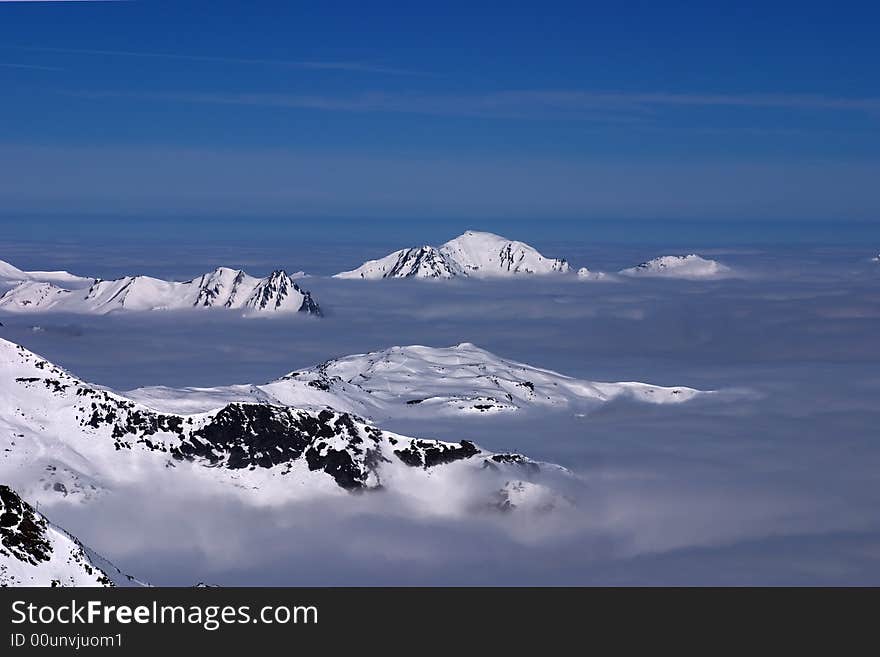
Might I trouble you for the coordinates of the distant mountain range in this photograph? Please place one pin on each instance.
(477, 254)
(221, 288)
(470, 255)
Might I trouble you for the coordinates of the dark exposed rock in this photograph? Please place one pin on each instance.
(259, 435)
(421, 259)
(512, 459)
(23, 535)
(428, 453)
(22, 531)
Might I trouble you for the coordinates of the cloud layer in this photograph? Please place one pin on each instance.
(773, 483)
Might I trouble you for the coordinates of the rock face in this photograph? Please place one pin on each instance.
(679, 266)
(33, 552)
(472, 254)
(419, 262)
(279, 293)
(221, 288)
(63, 437)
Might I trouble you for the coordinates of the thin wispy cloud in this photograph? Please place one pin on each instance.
(35, 67)
(612, 107)
(316, 65)
(787, 101)
(476, 107)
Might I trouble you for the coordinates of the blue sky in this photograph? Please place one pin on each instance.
(457, 111)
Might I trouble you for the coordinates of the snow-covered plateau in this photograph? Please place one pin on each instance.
(9, 274)
(418, 382)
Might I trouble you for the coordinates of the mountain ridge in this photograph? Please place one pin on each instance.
(220, 288)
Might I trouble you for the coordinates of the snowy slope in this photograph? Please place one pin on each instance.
(680, 266)
(62, 437)
(472, 254)
(12, 274)
(485, 255)
(417, 381)
(221, 288)
(34, 552)
(419, 262)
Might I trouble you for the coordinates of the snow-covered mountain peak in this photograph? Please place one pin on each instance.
(471, 254)
(221, 286)
(680, 266)
(129, 293)
(278, 292)
(486, 254)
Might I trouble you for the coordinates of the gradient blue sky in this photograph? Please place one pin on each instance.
(470, 111)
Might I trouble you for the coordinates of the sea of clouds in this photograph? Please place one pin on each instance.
(777, 481)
